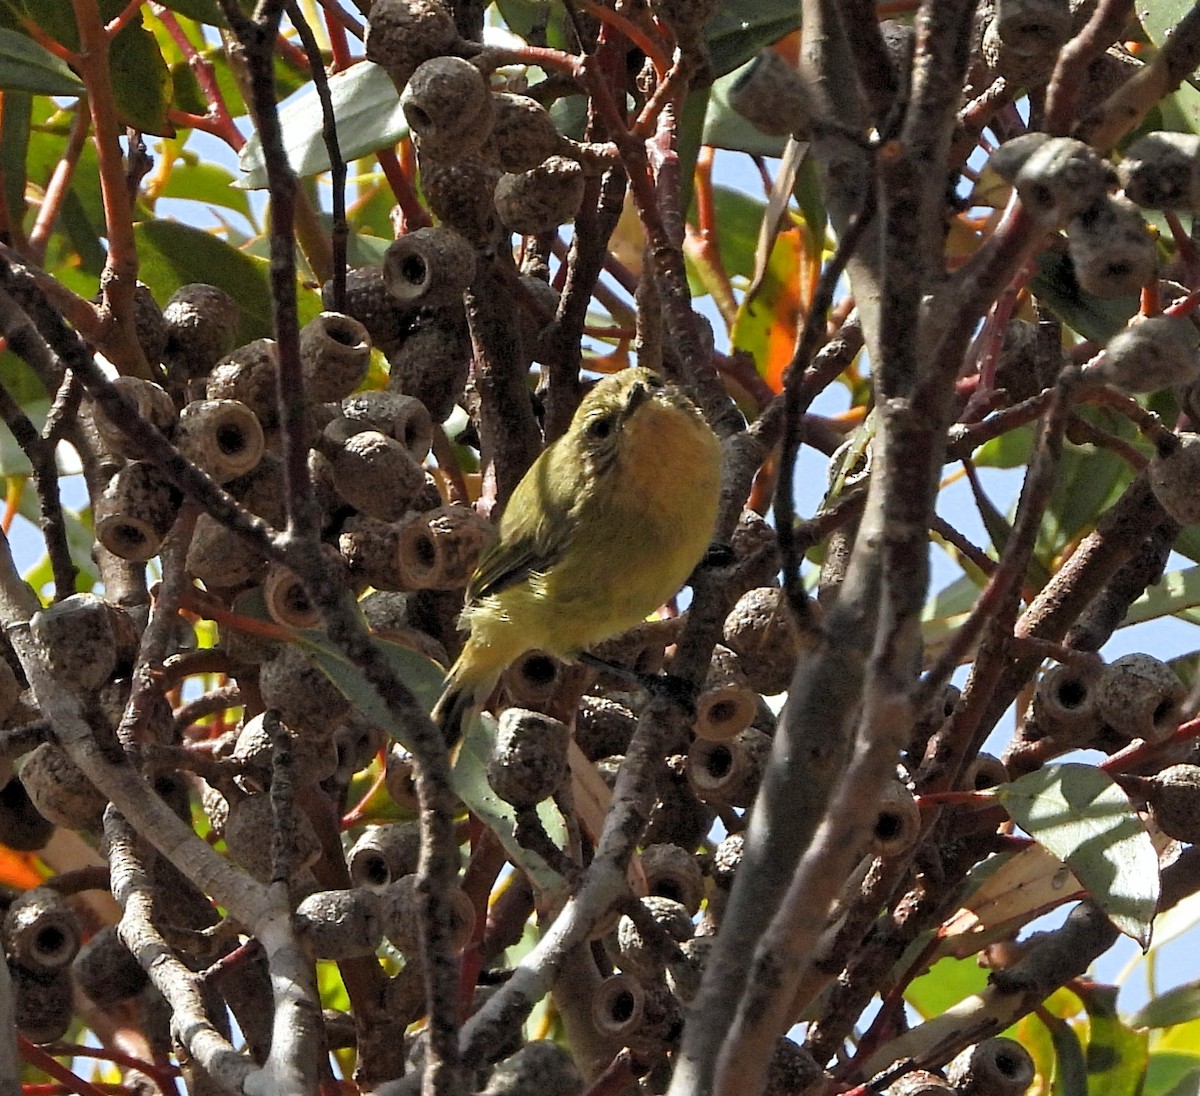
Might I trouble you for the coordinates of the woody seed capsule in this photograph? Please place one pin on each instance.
(439, 549)
(335, 354)
(369, 302)
(642, 1016)
(153, 404)
(672, 872)
(772, 97)
(727, 704)
(523, 134)
(1162, 171)
(993, 1067)
(1111, 249)
(762, 632)
(1059, 178)
(385, 853)
(222, 437)
(541, 199)
(1064, 700)
(41, 1005)
(400, 915)
(202, 323)
(106, 970)
(80, 638)
(541, 1066)
(250, 820)
(402, 417)
(376, 475)
(1149, 353)
(429, 267)
(1175, 479)
(41, 931)
(60, 791)
(643, 957)
(247, 374)
(433, 363)
(460, 195)
(341, 924)
(529, 762)
(729, 772)
(401, 34)
(307, 701)
(134, 514)
(1139, 695)
(448, 107)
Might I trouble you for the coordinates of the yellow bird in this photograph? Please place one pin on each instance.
(605, 526)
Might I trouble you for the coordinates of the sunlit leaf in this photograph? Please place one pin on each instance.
(1171, 1073)
(946, 983)
(367, 109)
(471, 785)
(1004, 893)
(1116, 1054)
(26, 66)
(174, 254)
(742, 27)
(196, 180)
(1079, 814)
(141, 80)
(1175, 1006)
(1173, 593)
(1011, 449)
(420, 674)
(17, 870)
(725, 128)
(1094, 318)
(767, 326)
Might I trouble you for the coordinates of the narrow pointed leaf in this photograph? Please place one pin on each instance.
(26, 66)
(1079, 813)
(366, 107)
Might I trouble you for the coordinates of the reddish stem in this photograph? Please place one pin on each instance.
(415, 215)
(218, 120)
(114, 26)
(59, 185)
(39, 1059)
(633, 32)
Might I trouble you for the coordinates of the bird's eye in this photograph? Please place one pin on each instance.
(600, 428)
(654, 382)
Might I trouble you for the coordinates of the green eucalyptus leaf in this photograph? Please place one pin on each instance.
(420, 674)
(1078, 813)
(174, 254)
(368, 114)
(743, 27)
(141, 81)
(1116, 1054)
(1094, 318)
(1175, 592)
(472, 787)
(1175, 1006)
(196, 180)
(725, 128)
(26, 66)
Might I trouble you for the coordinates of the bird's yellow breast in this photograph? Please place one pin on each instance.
(636, 538)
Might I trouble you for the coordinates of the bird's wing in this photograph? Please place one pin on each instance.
(535, 532)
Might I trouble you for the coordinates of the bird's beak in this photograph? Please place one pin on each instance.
(638, 395)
